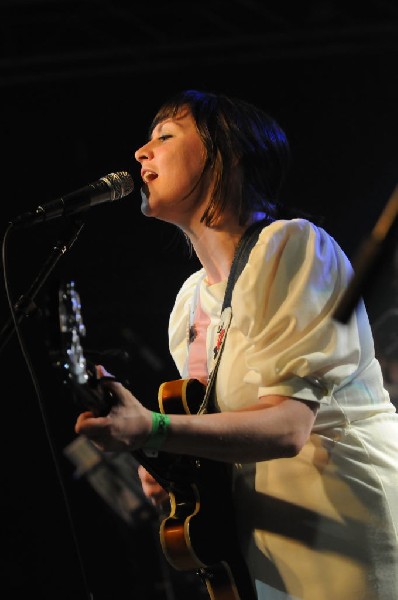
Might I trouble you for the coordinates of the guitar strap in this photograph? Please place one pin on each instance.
(242, 253)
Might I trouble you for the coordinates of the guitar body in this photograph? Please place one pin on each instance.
(199, 533)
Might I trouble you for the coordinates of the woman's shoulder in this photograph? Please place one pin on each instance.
(189, 285)
(290, 226)
(281, 231)
(298, 229)
(297, 240)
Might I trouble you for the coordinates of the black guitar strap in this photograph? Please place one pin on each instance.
(242, 253)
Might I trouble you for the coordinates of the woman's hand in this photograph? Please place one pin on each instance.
(151, 488)
(126, 427)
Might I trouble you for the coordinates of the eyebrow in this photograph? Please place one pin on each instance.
(159, 126)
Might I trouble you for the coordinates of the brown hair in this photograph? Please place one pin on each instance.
(236, 132)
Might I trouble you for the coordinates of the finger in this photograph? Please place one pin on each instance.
(102, 372)
(88, 422)
(144, 475)
(83, 417)
(154, 492)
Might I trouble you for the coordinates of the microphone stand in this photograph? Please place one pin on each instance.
(370, 257)
(25, 306)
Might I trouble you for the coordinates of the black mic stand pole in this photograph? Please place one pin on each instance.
(25, 306)
(370, 256)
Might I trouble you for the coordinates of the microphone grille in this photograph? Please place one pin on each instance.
(120, 183)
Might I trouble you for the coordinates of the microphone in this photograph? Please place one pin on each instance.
(107, 189)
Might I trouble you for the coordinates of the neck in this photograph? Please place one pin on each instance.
(216, 247)
(216, 250)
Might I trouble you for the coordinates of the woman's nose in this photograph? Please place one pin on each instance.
(142, 153)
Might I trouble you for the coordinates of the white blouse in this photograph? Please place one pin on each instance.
(283, 340)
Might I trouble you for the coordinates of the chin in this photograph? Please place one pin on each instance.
(145, 210)
(145, 206)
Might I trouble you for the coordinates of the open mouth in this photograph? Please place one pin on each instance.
(148, 176)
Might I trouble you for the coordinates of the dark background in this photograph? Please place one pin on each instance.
(79, 83)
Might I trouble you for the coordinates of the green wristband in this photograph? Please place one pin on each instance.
(158, 435)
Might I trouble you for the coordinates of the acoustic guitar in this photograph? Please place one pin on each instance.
(199, 533)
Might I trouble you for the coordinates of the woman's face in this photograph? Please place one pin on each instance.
(175, 189)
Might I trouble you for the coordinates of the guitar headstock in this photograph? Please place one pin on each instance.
(72, 329)
(80, 374)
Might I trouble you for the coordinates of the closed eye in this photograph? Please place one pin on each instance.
(164, 137)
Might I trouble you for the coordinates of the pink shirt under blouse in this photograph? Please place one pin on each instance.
(197, 360)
